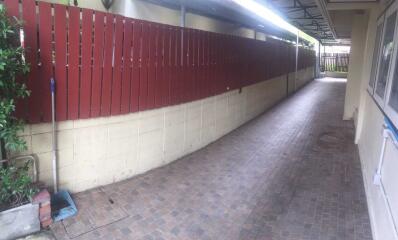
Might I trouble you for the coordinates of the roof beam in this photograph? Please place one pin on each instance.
(305, 18)
(351, 5)
(325, 13)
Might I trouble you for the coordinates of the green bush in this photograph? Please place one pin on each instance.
(12, 88)
(15, 183)
(16, 186)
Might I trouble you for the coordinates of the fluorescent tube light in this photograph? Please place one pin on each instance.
(266, 14)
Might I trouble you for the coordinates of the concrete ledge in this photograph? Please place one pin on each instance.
(334, 74)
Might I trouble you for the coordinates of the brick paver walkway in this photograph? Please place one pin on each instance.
(292, 173)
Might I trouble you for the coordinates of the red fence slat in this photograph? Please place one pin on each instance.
(117, 67)
(159, 65)
(173, 91)
(73, 64)
(96, 83)
(166, 66)
(135, 71)
(127, 63)
(108, 63)
(46, 60)
(144, 58)
(30, 41)
(85, 74)
(105, 64)
(152, 66)
(60, 62)
(12, 7)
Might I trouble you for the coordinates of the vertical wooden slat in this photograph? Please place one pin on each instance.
(85, 74)
(127, 62)
(108, 64)
(211, 65)
(30, 41)
(207, 63)
(173, 67)
(195, 65)
(218, 64)
(96, 82)
(117, 67)
(152, 66)
(144, 67)
(159, 65)
(135, 71)
(12, 7)
(191, 75)
(60, 62)
(185, 79)
(73, 63)
(200, 65)
(180, 61)
(166, 66)
(219, 80)
(45, 71)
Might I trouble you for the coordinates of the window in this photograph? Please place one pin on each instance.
(391, 108)
(386, 53)
(393, 99)
(376, 50)
(383, 82)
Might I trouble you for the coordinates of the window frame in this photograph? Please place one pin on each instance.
(381, 100)
(376, 55)
(391, 113)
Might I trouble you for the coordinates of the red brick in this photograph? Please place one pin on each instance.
(46, 223)
(44, 218)
(45, 209)
(42, 197)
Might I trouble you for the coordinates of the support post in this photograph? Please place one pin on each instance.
(319, 59)
(182, 24)
(182, 16)
(295, 73)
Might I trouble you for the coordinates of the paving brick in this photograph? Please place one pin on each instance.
(293, 173)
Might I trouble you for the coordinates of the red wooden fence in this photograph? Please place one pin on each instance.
(106, 64)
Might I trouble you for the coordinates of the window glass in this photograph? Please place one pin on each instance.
(393, 102)
(375, 55)
(386, 55)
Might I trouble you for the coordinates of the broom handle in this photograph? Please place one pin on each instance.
(55, 177)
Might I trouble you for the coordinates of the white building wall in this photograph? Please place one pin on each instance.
(369, 124)
(358, 34)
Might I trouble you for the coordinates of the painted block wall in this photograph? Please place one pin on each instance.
(100, 151)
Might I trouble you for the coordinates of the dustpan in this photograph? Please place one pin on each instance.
(62, 205)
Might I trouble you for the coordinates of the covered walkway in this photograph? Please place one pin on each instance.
(292, 173)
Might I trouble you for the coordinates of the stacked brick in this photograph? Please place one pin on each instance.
(43, 198)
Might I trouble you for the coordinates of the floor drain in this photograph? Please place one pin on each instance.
(330, 140)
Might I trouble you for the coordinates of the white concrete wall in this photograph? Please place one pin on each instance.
(100, 151)
(303, 76)
(369, 123)
(370, 148)
(354, 77)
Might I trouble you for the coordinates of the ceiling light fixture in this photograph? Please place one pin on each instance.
(267, 14)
